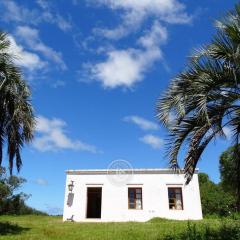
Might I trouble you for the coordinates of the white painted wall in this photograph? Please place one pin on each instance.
(115, 198)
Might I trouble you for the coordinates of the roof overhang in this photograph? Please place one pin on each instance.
(126, 171)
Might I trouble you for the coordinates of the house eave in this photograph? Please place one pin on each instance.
(126, 171)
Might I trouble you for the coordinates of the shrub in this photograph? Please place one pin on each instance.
(215, 200)
(10, 201)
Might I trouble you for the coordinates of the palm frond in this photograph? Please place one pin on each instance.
(16, 113)
(204, 97)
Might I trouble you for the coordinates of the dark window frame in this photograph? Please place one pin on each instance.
(135, 198)
(175, 204)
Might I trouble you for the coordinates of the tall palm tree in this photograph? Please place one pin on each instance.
(205, 98)
(16, 113)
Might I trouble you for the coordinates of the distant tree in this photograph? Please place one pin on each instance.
(204, 98)
(215, 201)
(11, 200)
(229, 170)
(16, 113)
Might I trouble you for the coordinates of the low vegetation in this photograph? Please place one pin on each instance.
(220, 199)
(12, 201)
(215, 200)
(33, 227)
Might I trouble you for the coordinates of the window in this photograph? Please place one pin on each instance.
(175, 198)
(135, 198)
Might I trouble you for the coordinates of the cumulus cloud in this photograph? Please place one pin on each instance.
(124, 67)
(21, 14)
(152, 140)
(23, 58)
(52, 137)
(135, 11)
(171, 11)
(153, 38)
(31, 38)
(127, 67)
(142, 123)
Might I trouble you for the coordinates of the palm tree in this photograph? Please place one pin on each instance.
(16, 113)
(204, 98)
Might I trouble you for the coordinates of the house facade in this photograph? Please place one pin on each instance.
(130, 195)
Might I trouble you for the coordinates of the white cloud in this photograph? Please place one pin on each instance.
(49, 15)
(52, 137)
(17, 13)
(124, 67)
(127, 67)
(142, 123)
(62, 23)
(31, 37)
(23, 58)
(115, 34)
(41, 182)
(13, 12)
(153, 38)
(135, 11)
(168, 10)
(152, 140)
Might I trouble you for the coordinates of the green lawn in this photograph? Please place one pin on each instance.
(48, 227)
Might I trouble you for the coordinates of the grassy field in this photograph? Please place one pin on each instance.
(48, 227)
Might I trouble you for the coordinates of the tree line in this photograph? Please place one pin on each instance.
(12, 200)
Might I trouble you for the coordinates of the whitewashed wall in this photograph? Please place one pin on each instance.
(115, 198)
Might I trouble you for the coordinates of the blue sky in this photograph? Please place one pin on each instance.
(96, 69)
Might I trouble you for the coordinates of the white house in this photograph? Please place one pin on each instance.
(130, 195)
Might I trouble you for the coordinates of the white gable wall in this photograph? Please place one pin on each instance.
(115, 198)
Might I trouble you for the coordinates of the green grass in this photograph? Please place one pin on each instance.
(48, 227)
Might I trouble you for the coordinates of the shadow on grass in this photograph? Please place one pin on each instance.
(7, 228)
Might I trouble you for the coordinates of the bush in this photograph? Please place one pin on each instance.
(215, 200)
(11, 202)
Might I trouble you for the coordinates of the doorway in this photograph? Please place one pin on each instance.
(94, 202)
